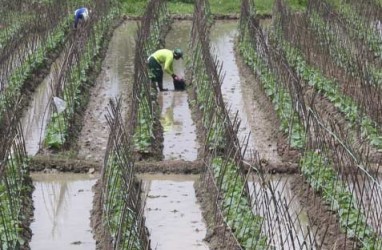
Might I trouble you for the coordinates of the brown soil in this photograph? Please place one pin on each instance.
(69, 164)
(62, 164)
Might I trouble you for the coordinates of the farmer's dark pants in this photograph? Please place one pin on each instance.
(155, 72)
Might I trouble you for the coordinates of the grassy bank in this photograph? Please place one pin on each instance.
(263, 7)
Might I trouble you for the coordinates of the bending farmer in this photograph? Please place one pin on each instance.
(163, 58)
(80, 14)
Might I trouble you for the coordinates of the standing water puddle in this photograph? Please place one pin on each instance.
(238, 97)
(222, 42)
(286, 223)
(179, 129)
(36, 116)
(173, 216)
(62, 210)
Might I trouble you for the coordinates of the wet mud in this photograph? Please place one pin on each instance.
(114, 81)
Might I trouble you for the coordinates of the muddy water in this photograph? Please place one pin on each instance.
(222, 39)
(179, 129)
(286, 223)
(37, 114)
(62, 210)
(239, 97)
(173, 216)
(114, 81)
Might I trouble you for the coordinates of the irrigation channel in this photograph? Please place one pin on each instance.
(173, 216)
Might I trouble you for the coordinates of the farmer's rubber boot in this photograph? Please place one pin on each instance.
(160, 85)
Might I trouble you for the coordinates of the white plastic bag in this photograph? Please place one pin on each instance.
(60, 104)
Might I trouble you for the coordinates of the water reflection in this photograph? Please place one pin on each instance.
(179, 130)
(62, 205)
(37, 114)
(222, 40)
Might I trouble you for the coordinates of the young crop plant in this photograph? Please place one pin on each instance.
(144, 133)
(14, 189)
(236, 207)
(57, 129)
(320, 173)
(157, 22)
(121, 202)
(279, 96)
(121, 220)
(358, 28)
(369, 129)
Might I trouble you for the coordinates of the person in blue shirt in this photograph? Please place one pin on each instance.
(80, 14)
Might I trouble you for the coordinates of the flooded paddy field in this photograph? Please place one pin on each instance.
(225, 166)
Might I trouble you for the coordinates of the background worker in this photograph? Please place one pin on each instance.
(162, 60)
(81, 14)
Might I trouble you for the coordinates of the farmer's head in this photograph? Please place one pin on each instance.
(178, 53)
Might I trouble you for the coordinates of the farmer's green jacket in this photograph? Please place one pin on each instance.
(165, 57)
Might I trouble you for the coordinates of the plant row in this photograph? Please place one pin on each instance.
(122, 209)
(322, 177)
(77, 78)
(15, 187)
(370, 130)
(34, 61)
(152, 31)
(221, 141)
